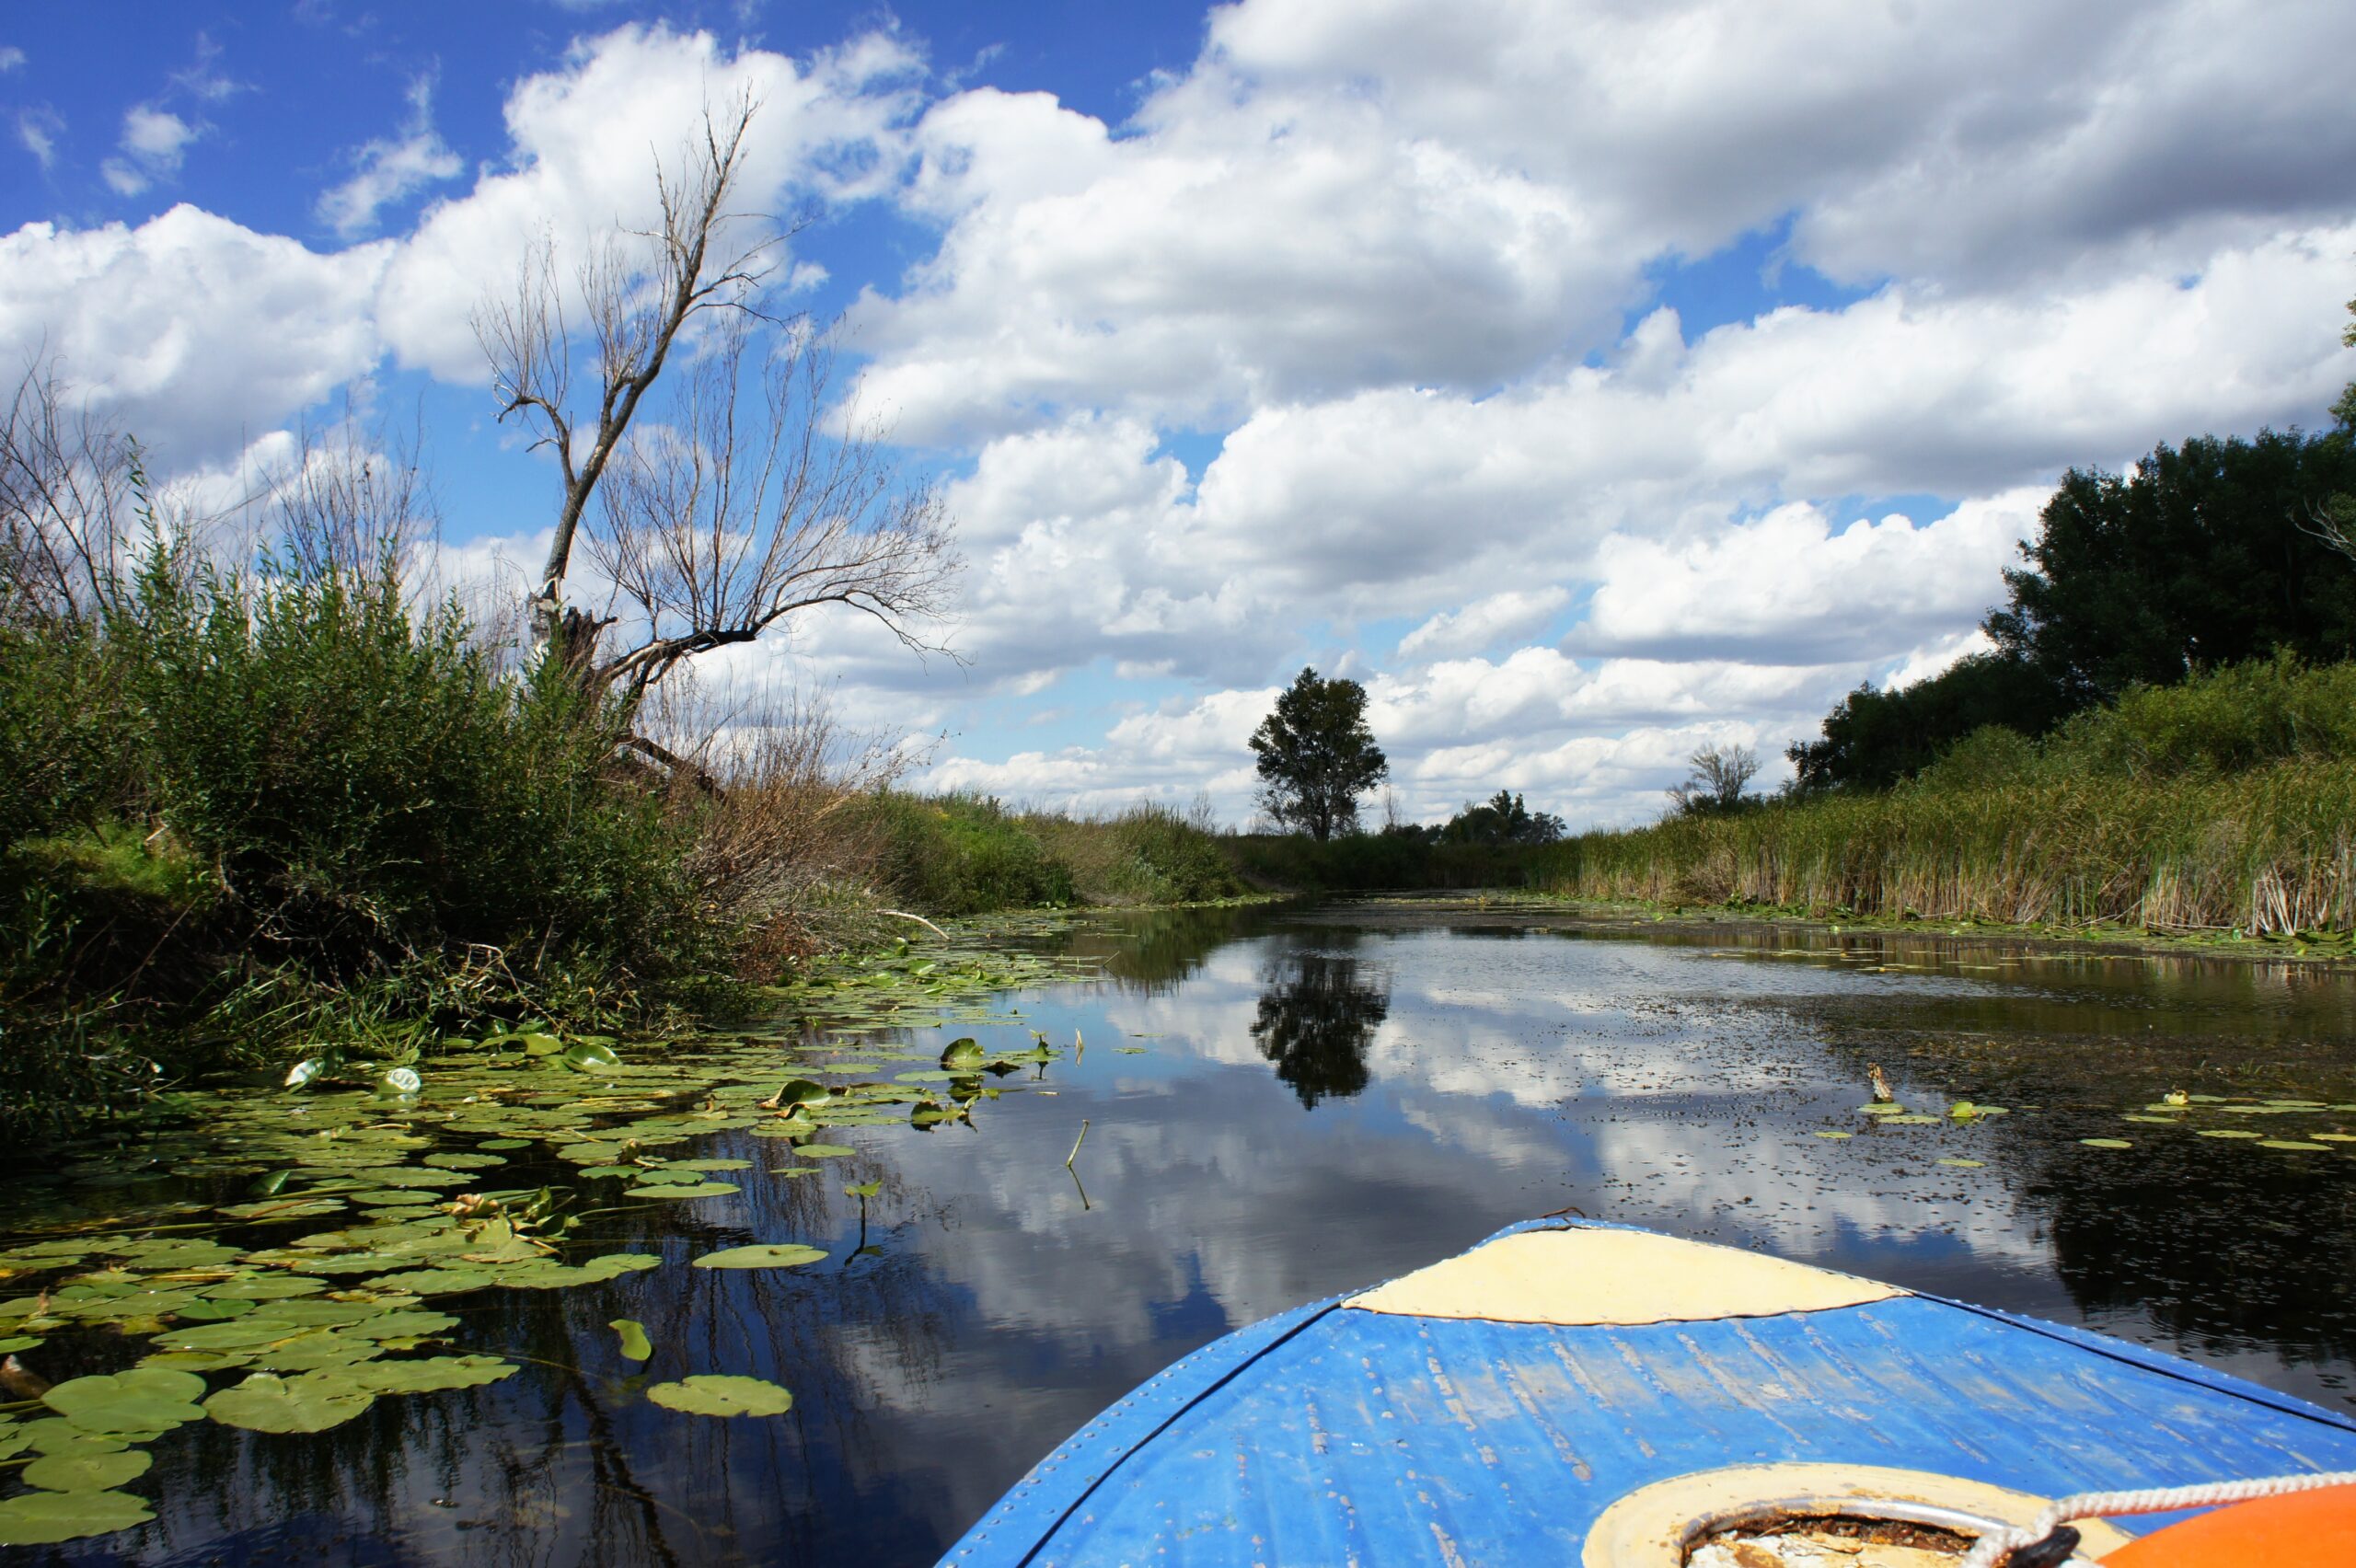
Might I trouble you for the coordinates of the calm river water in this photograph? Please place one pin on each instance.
(1287, 1103)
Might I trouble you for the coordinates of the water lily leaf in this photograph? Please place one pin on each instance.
(2333, 1137)
(431, 1374)
(504, 1143)
(708, 1165)
(55, 1435)
(2292, 1143)
(403, 1325)
(2227, 1133)
(588, 1057)
(88, 1472)
(636, 1346)
(2106, 1142)
(1835, 1135)
(823, 1151)
(15, 1343)
(2152, 1121)
(1963, 1110)
(700, 1190)
(435, 1281)
(1910, 1120)
(864, 1189)
(464, 1161)
(796, 1171)
(711, 1394)
(1883, 1108)
(265, 1287)
(304, 1071)
(312, 1402)
(767, 1255)
(44, 1519)
(1960, 1163)
(964, 1054)
(144, 1399)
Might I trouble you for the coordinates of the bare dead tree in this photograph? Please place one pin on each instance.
(71, 497)
(719, 526)
(349, 498)
(637, 308)
(1719, 777)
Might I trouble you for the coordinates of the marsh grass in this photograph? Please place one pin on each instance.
(2224, 803)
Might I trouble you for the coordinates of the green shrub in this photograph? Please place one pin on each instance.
(963, 854)
(2224, 721)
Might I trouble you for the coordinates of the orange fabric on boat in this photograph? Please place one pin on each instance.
(2305, 1528)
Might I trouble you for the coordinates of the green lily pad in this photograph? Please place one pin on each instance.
(1827, 1134)
(1910, 1119)
(44, 1519)
(431, 1374)
(15, 1343)
(636, 1346)
(2293, 1143)
(588, 1057)
(144, 1399)
(767, 1255)
(964, 1054)
(464, 1161)
(265, 1287)
(311, 1352)
(2152, 1121)
(2106, 1142)
(2227, 1133)
(1883, 1108)
(713, 1394)
(90, 1471)
(708, 1165)
(2333, 1137)
(504, 1143)
(700, 1190)
(1960, 1163)
(312, 1402)
(823, 1151)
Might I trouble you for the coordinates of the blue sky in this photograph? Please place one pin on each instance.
(1595, 383)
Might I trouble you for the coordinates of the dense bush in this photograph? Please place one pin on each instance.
(237, 812)
(964, 854)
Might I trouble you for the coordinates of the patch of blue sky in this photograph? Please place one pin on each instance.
(1736, 282)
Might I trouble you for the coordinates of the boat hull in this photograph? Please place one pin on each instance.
(1350, 1431)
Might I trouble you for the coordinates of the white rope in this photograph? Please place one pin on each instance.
(1992, 1548)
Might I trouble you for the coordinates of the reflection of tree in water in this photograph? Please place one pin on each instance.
(1317, 1017)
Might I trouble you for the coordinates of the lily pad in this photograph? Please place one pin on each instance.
(145, 1398)
(312, 1402)
(700, 1190)
(767, 1255)
(1827, 1133)
(713, 1394)
(431, 1374)
(636, 1346)
(43, 1519)
(2227, 1133)
(823, 1151)
(1959, 1164)
(2292, 1143)
(964, 1054)
(86, 1471)
(589, 1056)
(2106, 1142)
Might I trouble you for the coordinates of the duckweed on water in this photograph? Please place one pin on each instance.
(403, 1162)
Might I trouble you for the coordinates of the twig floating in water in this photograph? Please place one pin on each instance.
(904, 915)
(1076, 1143)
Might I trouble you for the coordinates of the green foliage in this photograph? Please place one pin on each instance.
(2204, 555)
(1317, 755)
(963, 854)
(1501, 819)
(2221, 803)
(1874, 738)
(1378, 862)
(243, 811)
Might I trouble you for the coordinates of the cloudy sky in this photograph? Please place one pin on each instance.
(1593, 380)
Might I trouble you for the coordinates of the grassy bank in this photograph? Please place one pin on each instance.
(963, 854)
(2226, 804)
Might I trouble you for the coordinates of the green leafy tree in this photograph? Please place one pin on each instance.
(1876, 737)
(1501, 819)
(2203, 555)
(1317, 757)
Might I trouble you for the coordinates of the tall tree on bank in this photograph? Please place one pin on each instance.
(749, 498)
(1317, 757)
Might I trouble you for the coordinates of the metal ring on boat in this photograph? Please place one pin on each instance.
(1656, 1525)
